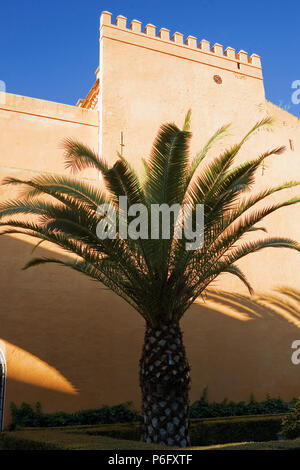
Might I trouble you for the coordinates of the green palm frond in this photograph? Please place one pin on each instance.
(187, 121)
(78, 157)
(218, 135)
(168, 165)
(60, 185)
(159, 277)
(122, 181)
(135, 181)
(232, 269)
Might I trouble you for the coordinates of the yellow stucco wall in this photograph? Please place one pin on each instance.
(145, 80)
(71, 344)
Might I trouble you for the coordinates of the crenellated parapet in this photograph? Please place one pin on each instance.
(175, 44)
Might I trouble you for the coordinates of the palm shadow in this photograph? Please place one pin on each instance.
(236, 344)
(240, 345)
(284, 303)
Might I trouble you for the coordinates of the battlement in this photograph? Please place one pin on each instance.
(175, 44)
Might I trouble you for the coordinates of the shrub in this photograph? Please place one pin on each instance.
(26, 416)
(10, 442)
(235, 429)
(130, 431)
(208, 431)
(291, 422)
(204, 431)
(205, 409)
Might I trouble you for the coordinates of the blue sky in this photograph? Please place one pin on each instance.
(49, 49)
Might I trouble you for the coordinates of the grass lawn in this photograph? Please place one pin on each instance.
(80, 438)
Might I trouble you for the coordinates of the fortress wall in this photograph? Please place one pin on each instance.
(234, 344)
(34, 333)
(271, 268)
(71, 344)
(32, 132)
(147, 79)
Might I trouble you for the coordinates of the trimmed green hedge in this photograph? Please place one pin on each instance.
(209, 431)
(291, 423)
(10, 442)
(26, 415)
(130, 431)
(205, 409)
(235, 429)
(204, 432)
(66, 438)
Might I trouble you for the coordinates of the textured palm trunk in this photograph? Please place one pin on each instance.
(164, 380)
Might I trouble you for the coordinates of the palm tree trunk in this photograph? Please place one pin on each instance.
(164, 380)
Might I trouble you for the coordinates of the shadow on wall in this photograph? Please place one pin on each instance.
(240, 345)
(56, 320)
(284, 303)
(92, 340)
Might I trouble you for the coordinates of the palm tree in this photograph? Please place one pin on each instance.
(159, 277)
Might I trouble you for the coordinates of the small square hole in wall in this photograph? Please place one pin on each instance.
(291, 144)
